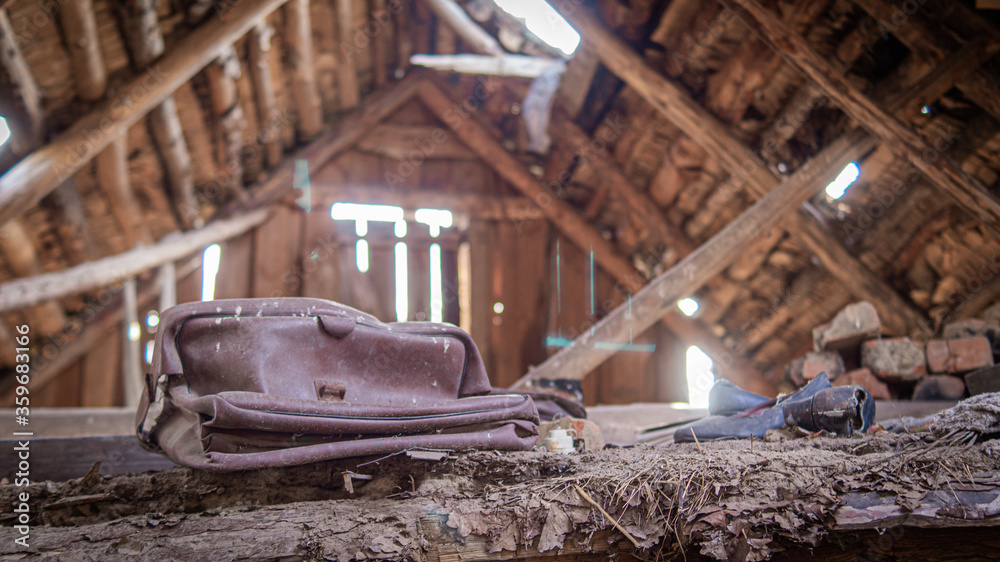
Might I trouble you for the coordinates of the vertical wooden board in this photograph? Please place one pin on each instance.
(398, 174)
(421, 24)
(326, 50)
(569, 302)
(276, 253)
(666, 370)
(189, 288)
(101, 373)
(449, 285)
(444, 38)
(482, 236)
(418, 278)
(235, 267)
(381, 281)
(320, 266)
(436, 174)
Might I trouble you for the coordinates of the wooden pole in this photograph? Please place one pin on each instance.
(222, 76)
(449, 12)
(111, 165)
(21, 293)
(347, 72)
(658, 297)
(298, 34)
(44, 169)
(939, 169)
(29, 129)
(523, 66)
(80, 28)
(131, 331)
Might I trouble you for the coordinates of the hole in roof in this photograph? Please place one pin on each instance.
(4, 131)
(688, 306)
(541, 19)
(845, 178)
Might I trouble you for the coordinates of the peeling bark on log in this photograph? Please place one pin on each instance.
(80, 28)
(347, 73)
(258, 49)
(222, 76)
(300, 57)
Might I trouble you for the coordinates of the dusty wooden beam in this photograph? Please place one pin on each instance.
(298, 35)
(481, 140)
(658, 297)
(576, 80)
(471, 33)
(80, 29)
(29, 127)
(22, 293)
(941, 170)
(347, 72)
(111, 165)
(402, 142)
(44, 169)
(496, 65)
(65, 209)
(18, 252)
(222, 75)
(258, 49)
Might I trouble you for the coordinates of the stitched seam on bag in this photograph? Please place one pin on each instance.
(393, 418)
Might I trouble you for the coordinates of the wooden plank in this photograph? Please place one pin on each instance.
(413, 142)
(450, 13)
(941, 170)
(523, 66)
(320, 273)
(78, 422)
(657, 298)
(576, 80)
(80, 29)
(258, 51)
(44, 169)
(236, 266)
(100, 380)
(65, 208)
(347, 73)
(276, 252)
(60, 459)
(482, 248)
(298, 36)
(21, 293)
(222, 75)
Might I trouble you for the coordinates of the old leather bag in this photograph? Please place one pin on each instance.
(254, 383)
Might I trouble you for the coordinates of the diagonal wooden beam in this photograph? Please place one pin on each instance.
(941, 170)
(681, 108)
(44, 169)
(464, 121)
(449, 12)
(21, 293)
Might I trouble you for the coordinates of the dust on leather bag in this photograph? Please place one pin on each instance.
(255, 383)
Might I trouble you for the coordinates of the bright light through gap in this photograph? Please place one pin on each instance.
(402, 298)
(4, 131)
(361, 255)
(844, 180)
(209, 268)
(435, 219)
(134, 331)
(153, 319)
(149, 352)
(437, 290)
(542, 20)
(699, 377)
(688, 306)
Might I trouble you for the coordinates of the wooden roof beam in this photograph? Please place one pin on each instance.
(45, 168)
(941, 170)
(66, 212)
(21, 293)
(449, 12)
(222, 75)
(347, 72)
(523, 66)
(298, 35)
(80, 28)
(680, 108)
(18, 250)
(465, 124)
(111, 165)
(258, 52)
(29, 126)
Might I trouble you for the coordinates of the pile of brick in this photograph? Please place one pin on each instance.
(851, 350)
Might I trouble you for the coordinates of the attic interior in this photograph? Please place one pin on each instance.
(698, 190)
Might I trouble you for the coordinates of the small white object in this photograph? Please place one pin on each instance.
(560, 441)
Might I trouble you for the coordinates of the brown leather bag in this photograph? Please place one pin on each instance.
(254, 383)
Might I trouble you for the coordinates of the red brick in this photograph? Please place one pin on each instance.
(817, 362)
(959, 356)
(854, 324)
(894, 359)
(939, 387)
(968, 328)
(864, 377)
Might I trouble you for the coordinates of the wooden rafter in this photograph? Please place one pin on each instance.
(66, 210)
(680, 108)
(80, 28)
(449, 12)
(44, 169)
(222, 75)
(24, 292)
(111, 166)
(347, 72)
(28, 124)
(258, 51)
(298, 32)
(482, 141)
(523, 66)
(941, 170)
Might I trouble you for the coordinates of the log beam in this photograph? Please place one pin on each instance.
(44, 169)
(347, 72)
(940, 170)
(258, 51)
(28, 124)
(222, 75)
(657, 298)
(523, 66)
(18, 252)
(484, 142)
(111, 166)
(298, 35)
(21, 293)
(65, 209)
(80, 29)
(449, 12)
